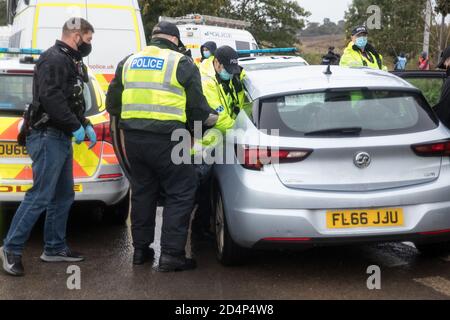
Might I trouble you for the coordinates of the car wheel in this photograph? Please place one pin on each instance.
(228, 252)
(118, 213)
(433, 249)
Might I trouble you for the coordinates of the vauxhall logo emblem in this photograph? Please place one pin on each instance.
(362, 160)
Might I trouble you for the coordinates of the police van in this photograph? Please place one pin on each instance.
(118, 29)
(5, 33)
(196, 29)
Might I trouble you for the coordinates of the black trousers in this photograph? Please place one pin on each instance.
(202, 219)
(153, 173)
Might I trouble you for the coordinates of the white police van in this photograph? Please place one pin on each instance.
(118, 26)
(196, 29)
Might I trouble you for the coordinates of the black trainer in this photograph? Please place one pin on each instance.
(142, 256)
(168, 263)
(12, 264)
(66, 255)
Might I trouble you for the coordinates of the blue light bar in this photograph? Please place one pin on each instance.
(272, 50)
(21, 51)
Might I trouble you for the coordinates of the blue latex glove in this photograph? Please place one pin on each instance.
(79, 135)
(91, 135)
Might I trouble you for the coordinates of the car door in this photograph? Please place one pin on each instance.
(119, 145)
(429, 82)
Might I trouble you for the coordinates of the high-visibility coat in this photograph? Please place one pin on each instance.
(151, 88)
(355, 58)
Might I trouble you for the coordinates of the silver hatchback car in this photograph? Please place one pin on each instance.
(355, 155)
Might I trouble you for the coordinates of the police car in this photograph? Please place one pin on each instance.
(99, 180)
(271, 61)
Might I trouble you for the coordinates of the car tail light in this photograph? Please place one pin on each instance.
(27, 72)
(255, 158)
(432, 149)
(103, 132)
(110, 176)
(436, 232)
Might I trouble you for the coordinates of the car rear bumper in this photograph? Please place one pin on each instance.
(249, 227)
(259, 207)
(108, 191)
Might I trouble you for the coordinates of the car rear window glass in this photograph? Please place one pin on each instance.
(272, 65)
(16, 91)
(376, 112)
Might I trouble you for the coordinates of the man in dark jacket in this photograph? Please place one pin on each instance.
(331, 57)
(58, 108)
(156, 92)
(443, 107)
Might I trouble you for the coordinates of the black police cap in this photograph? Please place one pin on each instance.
(229, 58)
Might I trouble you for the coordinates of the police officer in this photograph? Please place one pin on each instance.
(207, 50)
(57, 115)
(222, 86)
(360, 53)
(443, 107)
(156, 92)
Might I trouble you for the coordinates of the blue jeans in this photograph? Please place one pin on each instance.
(52, 191)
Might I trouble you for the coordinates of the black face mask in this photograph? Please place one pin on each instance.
(84, 48)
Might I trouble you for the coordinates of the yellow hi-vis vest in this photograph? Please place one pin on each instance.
(151, 88)
(353, 58)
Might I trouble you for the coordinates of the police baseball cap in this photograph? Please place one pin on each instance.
(229, 58)
(359, 29)
(165, 27)
(444, 56)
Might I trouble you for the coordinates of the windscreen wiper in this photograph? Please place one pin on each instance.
(336, 131)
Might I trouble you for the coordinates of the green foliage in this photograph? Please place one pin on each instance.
(326, 28)
(402, 24)
(152, 9)
(275, 22)
(2, 13)
(442, 7)
(431, 89)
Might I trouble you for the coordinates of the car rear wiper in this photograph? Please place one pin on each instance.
(339, 131)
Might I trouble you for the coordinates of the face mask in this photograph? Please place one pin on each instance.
(361, 42)
(206, 54)
(224, 75)
(84, 48)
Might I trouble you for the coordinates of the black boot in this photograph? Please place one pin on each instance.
(168, 263)
(142, 256)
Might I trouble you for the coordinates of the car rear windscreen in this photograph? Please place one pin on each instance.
(272, 65)
(376, 112)
(15, 92)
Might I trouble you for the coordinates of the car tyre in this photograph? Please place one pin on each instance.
(227, 251)
(118, 213)
(433, 249)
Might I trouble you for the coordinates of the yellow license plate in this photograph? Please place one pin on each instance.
(386, 217)
(12, 150)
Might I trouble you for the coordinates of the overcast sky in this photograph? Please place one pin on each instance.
(320, 9)
(333, 9)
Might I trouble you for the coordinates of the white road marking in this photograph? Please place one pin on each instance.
(438, 284)
(446, 258)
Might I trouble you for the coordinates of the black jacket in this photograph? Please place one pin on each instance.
(57, 73)
(443, 107)
(188, 75)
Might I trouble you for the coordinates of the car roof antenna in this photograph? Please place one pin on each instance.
(328, 71)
